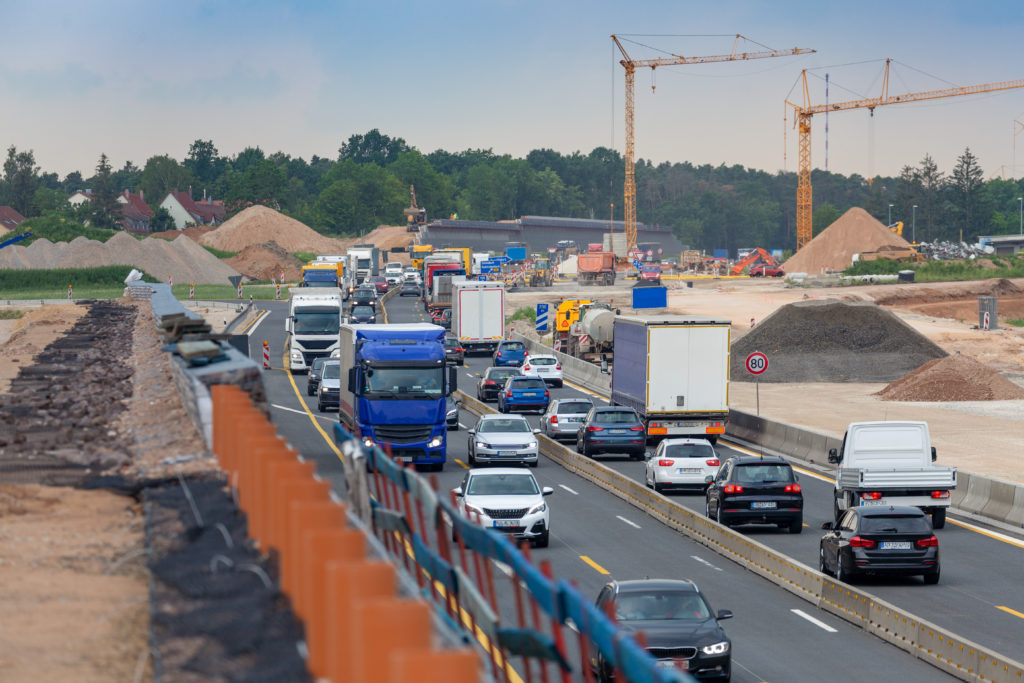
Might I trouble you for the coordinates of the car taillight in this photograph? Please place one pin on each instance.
(460, 350)
(595, 428)
(508, 394)
(547, 393)
(713, 462)
(554, 419)
(636, 428)
(666, 463)
(858, 542)
(940, 494)
(732, 488)
(498, 354)
(792, 488)
(526, 367)
(871, 495)
(558, 367)
(489, 383)
(930, 542)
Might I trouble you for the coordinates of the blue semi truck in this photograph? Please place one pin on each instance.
(396, 388)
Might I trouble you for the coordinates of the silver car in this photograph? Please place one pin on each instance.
(499, 438)
(564, 416)
(506, 500)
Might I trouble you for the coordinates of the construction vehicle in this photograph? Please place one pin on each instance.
(566, 314)
(595, 268)
(897, 228)
(417, 252)
(756, 257)
(415, 217)
(591, 337)
(15, 239)
(540, 273)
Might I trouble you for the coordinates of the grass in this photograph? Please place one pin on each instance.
(943, 271)
(1016, 322)
(219, 253)
(304, 256)
(525, 313)
(11, 313)
(107, 282)
(257, 291)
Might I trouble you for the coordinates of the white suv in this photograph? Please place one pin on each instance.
(544, 366)
(508, 500)
(393, 273)
(681, 463)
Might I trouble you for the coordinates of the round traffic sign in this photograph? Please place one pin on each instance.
(757, 363)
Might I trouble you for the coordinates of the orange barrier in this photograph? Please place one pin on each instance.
(356, 627)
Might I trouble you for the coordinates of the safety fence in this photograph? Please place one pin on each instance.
(356, 626)
(459, 565)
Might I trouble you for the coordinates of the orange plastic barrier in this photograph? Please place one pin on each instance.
(348, 584)
(383, 627)
(430, 666)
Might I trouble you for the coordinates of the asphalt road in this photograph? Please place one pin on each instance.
(596, 537)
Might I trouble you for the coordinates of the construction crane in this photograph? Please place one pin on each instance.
(631, 65)
(804, 203)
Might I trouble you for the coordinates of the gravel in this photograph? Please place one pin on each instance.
(954, 378)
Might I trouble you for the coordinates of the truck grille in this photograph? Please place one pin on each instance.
(505, 514)
(315, 344)
(672, 652)
(402, 433)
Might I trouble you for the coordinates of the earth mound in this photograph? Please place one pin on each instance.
(855, 232)
(266, 261)
(261, 224)
(833, 341)
(954, 378)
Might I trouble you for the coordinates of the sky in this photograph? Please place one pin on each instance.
(137, 79)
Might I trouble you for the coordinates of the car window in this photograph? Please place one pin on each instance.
(362, 310)
(500, 425)
(907, 524)
(332, 371)
(318, 363)
(542, 361)
(616, 416)
(502, 485)
(689, 450)
(512, 346)
(502, 373)
(849, 521)
(661, 606)
(574, 407)
(527, 383)
(755, 473)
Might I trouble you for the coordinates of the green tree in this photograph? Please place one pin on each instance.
(372, 148)
(21, 179)
(261, 183)
(203, 162)
(434, 191)
(250, 156)
(824, 215)
(49, 201)
(73, 182)
(106, 212)
(161, 175)
(966, 182)
(161, 220)
(128, 178)
(358, 198)
(932, 182)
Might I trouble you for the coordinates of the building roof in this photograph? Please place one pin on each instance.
(9, 218)
(205, 211)
(136, 204)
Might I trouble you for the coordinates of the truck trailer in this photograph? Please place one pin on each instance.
(314, 316)
(478, 314)
(367, 261)
(674, 371)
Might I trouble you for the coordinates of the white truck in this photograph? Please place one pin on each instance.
(891, 463)
(314, 318)
(478, 314)
(674, 372)
(367, 261)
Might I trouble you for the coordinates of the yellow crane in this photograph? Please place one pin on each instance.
(631, 65)
(804, 203)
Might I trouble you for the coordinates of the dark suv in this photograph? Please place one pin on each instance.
(756, 490)
(880, 540)
(611, 429)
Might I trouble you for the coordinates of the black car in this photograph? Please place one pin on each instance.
(611, 429)
(452, 413)
(491, 382)
(756, 491)
(361, 313)
(313, 378)
(680, 629)
(445, 320)
(409, 288)
(364, 296)
(880, 540)
(453, 353)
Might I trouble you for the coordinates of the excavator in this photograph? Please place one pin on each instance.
(15, 239)
(415, 217)
(756, 258)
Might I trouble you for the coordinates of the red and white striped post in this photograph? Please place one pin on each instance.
(277, 294)
(69, 292)
(266, 355)
(170, 280)
(281, 278)
(239, 290)
(191, 290)
(751, 322)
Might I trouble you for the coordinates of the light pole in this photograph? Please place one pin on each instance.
(1021, 200)
(913, 225)
(890, 215)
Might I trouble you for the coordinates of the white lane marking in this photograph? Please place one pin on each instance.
(263, 316)
(504, 568)
(470, 375)
(300, 412)
(632, 524)
(463, 426)
(817, 622)
(705, 562)
(568, 489)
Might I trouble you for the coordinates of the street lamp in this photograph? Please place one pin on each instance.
(890, 214)
(1021, 200)
(913, 226)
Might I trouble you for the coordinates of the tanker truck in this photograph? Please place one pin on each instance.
(591, 336)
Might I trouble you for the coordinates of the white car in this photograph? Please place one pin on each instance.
(508, 500)
(681, 463)
(544, 366)
(393, 273)
(412, 275)
(503, 438)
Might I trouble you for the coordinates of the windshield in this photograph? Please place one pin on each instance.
(542, 361)
(363, 263)
(689, 450)
(499, 425)
(362, 310)
(615, 416)
(574, 407)
(318, 363)
(512, 346)
(321, 283)
(528, 384)
(763, 474)
(502, 485)
(403, 382)
(661, 606)
(502, 374)
(332, 371)
(895, 524)
(316, 323)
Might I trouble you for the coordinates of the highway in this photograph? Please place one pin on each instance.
(596, 537)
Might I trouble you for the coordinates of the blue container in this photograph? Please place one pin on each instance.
(650, 297)
(721, 253)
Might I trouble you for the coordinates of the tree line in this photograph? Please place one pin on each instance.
(367, 183)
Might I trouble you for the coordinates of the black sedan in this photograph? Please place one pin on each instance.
(880, 540)
(491, 382)
(313, 378)
(756, 491)
(611, 429)
(364, 296)
(360, 313)
(453, 353)
(409, 288)
(452, 413)
(679, 627)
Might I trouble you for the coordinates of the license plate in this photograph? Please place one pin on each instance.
(507, 454)
(866, 503)
(532, 393)
(617, 431)
(895, 545)
(506, 522)
(765, 504)
(689, 470)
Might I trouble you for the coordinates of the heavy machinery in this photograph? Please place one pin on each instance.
(897, 228)
(540, 274)
(417, 252)
(566, 314)
(415, 217)
(15, 239)
(591, 337)
(595, 268)
(756, 257)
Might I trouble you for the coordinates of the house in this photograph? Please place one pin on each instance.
(135, 212)
(80, 197)
(9, 218)
(185, 211)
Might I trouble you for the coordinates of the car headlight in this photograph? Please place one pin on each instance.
(474, 510)
(539, 507)
(323, 389)
(482, 444)
(532, 444)
(716, 649)
(452, 413)
(435, 442)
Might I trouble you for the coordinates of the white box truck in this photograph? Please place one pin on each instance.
(674, 372)
(478, 314)
(891, 463)
(314, 318)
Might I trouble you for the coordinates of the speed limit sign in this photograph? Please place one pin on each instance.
(757, 363)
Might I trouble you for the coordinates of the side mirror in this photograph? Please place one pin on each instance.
(648, 455)
(833, 456)
(471, 432)
(724, 614)
(457, 491)
(827, 526)
(709, 479)
(935, 454)
(352, 380)
(536, 431)
(288, 324)
(546, 491)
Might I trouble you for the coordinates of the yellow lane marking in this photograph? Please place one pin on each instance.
(585, 391)
(464, 465)
(595, 565)
(252, 322)
(305, 408)
(1011, 611)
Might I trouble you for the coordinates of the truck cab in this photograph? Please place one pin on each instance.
(314, 317)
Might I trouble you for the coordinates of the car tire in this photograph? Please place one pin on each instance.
(636, 456)
(797, 525)
(535, 463)
(558, 383)
(938, 518)
(658, 488)
(319, 406)
(932, 578)
(707, 507)
(842, 574)
(718, 516)
(543, 540)
(822, 565)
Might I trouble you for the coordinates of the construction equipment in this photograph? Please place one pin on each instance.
(897, 228)
(757, 257)
(415, 217)
(566, 314)
(595, 268)
(804, 194)
(591, 337)
(540, 273)
(630, 65)
(15, 239)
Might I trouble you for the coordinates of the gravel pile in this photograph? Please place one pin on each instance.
(266, 261)
(855, 232)
(833, 341)
(260, 224)
(954, 378)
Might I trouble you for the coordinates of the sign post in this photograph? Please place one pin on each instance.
(542, 318)
(756, 364)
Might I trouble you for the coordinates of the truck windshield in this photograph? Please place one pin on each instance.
(321, 283)
(316, 323)
(403, 382)
(363, 263)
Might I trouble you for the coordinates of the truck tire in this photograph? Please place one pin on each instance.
(938, 518)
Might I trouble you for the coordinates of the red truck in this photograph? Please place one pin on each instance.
(595, 268)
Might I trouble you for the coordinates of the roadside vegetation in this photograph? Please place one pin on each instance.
(1011, 266)
(304, 256)
(219, 253)
(11, 313)
(1016, 322)
(60, 228)
(100, 282)
(525, 313)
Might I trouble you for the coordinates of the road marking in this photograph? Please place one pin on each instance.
(1011, 611)
(817, 622)
(585, 391)
(302, 402)
(632, 524)
(595, 565)
(300, 412)
(463, 426)
(254, 323)
(1010, 540)
(705, 562)
(568, 489)
(464, 465)
(470, 375)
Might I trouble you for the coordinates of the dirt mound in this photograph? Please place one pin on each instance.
(954, 378)
(833, 341)
(901, 296)
(194, 232)
(260, 224)
(855, 232)
(266, 261)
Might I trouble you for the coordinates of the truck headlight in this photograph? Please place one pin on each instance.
(368, 442)
(716, 649)
(323, 389)
(296, 355)
(435, 442)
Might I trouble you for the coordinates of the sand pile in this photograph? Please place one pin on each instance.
(266, 261)
(855, 232)
(182, 259)
(260, 224)
(833, 341)
(954, 378)
(193, 232)
(900, 295)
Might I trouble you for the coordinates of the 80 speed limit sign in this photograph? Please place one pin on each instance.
(757, 363)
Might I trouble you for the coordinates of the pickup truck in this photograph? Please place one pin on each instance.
(891, 463)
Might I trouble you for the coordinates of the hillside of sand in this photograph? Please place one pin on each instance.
(855, 232)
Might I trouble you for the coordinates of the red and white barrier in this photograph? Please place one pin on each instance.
(191, 290)
(170, 280)
(277, 293)
(239, 290)
(69, 292)
(266, 355)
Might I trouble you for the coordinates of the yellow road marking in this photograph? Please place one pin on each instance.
(585, 391)
(598, 568)
(302, 402)
(464, 465)
(1011, 611)
(254, 320)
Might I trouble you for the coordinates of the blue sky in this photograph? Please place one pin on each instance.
(134, 79)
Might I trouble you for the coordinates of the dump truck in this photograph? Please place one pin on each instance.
(595, 268)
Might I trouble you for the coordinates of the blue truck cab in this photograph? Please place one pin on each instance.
(395, 390)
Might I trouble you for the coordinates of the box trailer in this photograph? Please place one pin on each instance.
(478, 314)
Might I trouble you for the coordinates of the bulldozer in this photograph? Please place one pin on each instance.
(541, 274)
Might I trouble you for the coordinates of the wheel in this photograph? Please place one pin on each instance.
(579, 446)
(558, 383)
(932, 578)
(841, 572)
(320, 406)
(822, 565)
(658, 488)
(718, 516)
(797, 525)
(471, 457)
(534, 463)
(938, 521)
(542, 540)
(310, 391)
(707, 507)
